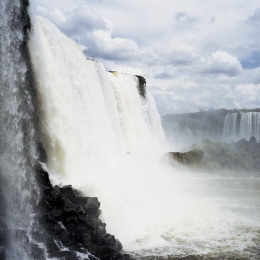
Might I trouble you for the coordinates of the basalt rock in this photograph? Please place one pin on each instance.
(3, 232)
(141, 85)
(191, 158)
(71, 221)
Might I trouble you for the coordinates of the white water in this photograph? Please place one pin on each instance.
(106, 140)
(230, 129)
(243, 125)
(18, 188)
(250, 125)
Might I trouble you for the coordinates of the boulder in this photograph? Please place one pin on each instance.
(193, 157)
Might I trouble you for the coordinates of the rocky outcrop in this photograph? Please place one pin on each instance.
(72, 225)
(24, 12)
(191, 158)
(141, 85)
(240, 156)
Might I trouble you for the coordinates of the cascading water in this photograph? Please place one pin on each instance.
(242, 125)
(102, 137)
(85, 116)
(250, 125)
(19, 191)
(231, 126)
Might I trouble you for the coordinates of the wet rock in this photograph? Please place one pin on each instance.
(2, 253)
(243, 143)
(193, 157)
(252, 140)
(141, 85)
(65, 255)
(71, 221)
(42, 155)
(3, 230)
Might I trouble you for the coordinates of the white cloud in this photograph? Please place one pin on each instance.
(248, 92)
(223, 63)
(255, 18)
(113, 48)
(91, 31)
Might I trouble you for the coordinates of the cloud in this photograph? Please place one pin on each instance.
(91, 31)
(248, 92)
(176, 54)
(255, 18)
(112, 48)
(221, 62)
(194, 54)
(183, 19)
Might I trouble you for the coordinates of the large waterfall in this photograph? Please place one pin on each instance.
(242, 125)
(102, 134)
(87, 114)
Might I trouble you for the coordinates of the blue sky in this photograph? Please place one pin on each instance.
(194, 54)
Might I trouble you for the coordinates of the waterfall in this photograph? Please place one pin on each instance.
(242, 125)
(18, 188)
(86, 112)
(231, 126)
(102, 134)
(94, 124)
(250, 125)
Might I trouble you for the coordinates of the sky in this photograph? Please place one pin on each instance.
(195, 54)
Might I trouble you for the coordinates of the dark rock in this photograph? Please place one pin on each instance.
(86, 239)
(55, 214)
(43, 178)
(42, 155)
(2, 253)
(193, 157)
(70, 207)
(3, 231)
(243, 143)
(71, 221)
(65, 255)
(37, 252)
(70, 193)
(51, 245)
(252, 140)
(141, 85)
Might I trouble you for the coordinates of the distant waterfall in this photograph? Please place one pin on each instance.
(242, 125)
(18, 188)
(250, 125)
(231, 128)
